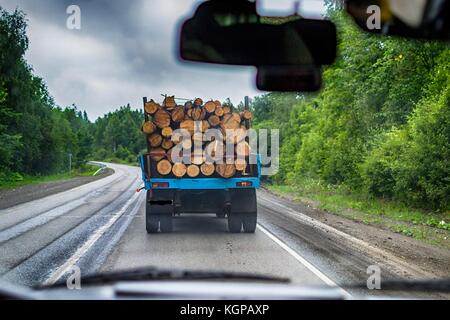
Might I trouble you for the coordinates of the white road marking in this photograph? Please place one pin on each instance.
(304, 262)
(63, 269)
(382, 255)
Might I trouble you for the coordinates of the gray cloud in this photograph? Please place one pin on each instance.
(124, 51)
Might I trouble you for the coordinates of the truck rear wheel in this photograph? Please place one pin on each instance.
(151, 221)
(249, 222)
(235, 222)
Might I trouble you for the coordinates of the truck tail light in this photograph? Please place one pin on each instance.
(244, 184)
(159, 185)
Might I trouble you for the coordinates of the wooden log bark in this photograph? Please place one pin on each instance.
(207, 169)
(243, 149)
(151, 107)
(198, 102)
(226, 170)
(164, 167)
(169, 102)
(162, 119)
(214, 121)
(193, 171)
(157, 154)
(246, 115)
(148, 127)
(240, 165)
(188, 125)
(155, 140)
(178, 114)
(179, 170)
(226, 109)
(198, 114)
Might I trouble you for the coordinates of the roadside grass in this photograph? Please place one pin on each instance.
(431, 227)
(16, 181)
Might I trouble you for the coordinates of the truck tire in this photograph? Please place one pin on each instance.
(151, 220)
(166, 224)
(249, 222)
(235, 222)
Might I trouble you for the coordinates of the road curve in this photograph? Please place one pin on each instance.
(100, 227)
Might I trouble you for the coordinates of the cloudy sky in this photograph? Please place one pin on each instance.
(124, 50)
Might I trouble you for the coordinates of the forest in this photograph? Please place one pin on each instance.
(380, 126)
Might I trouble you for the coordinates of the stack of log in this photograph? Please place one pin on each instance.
(163, 119)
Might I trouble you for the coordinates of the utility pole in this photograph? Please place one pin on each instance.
(70, 163)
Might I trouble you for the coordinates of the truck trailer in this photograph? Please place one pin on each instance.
(226, 190)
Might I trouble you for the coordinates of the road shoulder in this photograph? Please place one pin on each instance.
(16, 196)
(425, 256)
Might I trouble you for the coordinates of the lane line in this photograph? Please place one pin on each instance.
(63, 269)
(304, 262)
(358, 243)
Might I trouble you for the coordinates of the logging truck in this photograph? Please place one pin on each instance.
(199, 160)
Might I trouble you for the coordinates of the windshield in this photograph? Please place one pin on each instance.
(345, 187)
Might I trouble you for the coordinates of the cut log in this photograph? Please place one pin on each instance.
(167, 144)
(237, 135)
(148, 127)
(164, 167)
(226, 170)
(243, 149)
(240, 165)
(187, 144)
(178, 114)
(207, 169)
(198, 114)
(219, 112)
(193, 171)
(197, 158)
(213, 151)
(167, 132)
(246, 115)
(230, 122)
(157, 154)
(214, 121)
(218, 103)
(198, 102)
(226, 109)
(210, 106)
(179, 170)
(169, 103)
(205, 126)
(155, 140)
(188, 105)
(188, 125)
(151, 107)
(162, 119)
(189, 114)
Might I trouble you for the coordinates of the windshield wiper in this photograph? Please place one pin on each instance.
(153, 274)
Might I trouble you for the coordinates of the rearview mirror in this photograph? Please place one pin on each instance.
(223, 33)
(428, 19)
(294, 79)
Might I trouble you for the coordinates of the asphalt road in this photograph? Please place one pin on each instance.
(100, 227)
